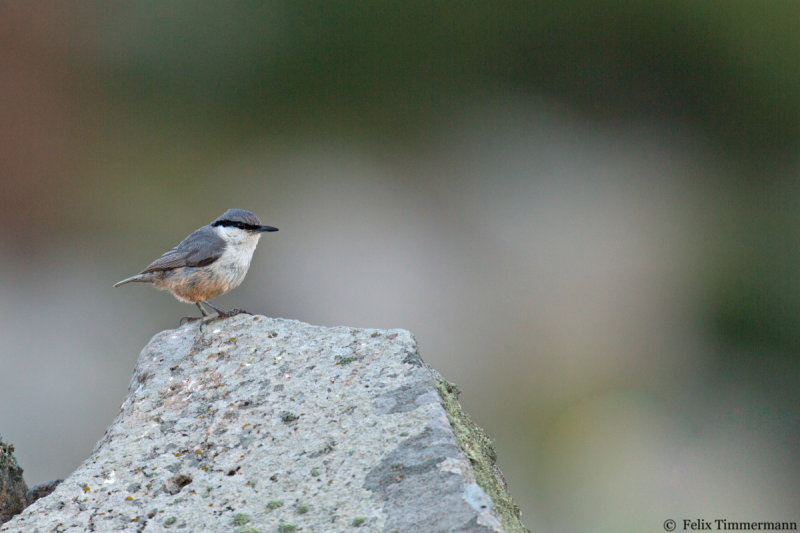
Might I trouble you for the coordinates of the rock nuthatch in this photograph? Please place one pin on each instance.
(209, 262)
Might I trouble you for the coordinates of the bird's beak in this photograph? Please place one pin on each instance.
(262, 229)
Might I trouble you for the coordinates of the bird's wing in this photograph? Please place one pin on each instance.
(201, 248)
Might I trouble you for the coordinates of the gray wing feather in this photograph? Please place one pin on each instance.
(201, 248)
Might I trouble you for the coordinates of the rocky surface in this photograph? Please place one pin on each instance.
(12, 485)
(14, 493)
(251, 424)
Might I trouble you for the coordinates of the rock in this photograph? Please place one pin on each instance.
(14, 493)
(41, 490)
(12, 485)
(253, 424)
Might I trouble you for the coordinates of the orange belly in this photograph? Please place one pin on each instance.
(192, 285)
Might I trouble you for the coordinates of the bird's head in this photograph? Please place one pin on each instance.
(240, 225)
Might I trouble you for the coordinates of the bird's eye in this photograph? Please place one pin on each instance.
(234, 224)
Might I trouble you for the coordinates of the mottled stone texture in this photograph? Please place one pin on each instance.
(14, 493)
(250, 424)
(12, 486)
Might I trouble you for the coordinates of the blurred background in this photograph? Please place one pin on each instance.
(588, 213)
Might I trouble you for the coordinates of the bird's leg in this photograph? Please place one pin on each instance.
(203, 311)
(219, 311)
(222, 313)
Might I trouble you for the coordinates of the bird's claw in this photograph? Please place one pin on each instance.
(190, 319)
(233, 312)
(212, 318)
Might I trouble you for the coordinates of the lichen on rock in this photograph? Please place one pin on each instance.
(478, 447)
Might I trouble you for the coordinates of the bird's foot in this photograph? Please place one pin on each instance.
(233, 312)
(190, 319)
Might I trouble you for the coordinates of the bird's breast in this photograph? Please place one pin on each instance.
(234, 262)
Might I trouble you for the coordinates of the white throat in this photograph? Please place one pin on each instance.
(240, 247)
(238, 236)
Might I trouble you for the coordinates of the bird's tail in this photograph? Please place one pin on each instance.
(137, 277)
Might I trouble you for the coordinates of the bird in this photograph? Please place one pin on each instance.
(211, 261)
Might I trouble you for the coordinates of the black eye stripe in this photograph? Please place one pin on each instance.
(234, 224)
